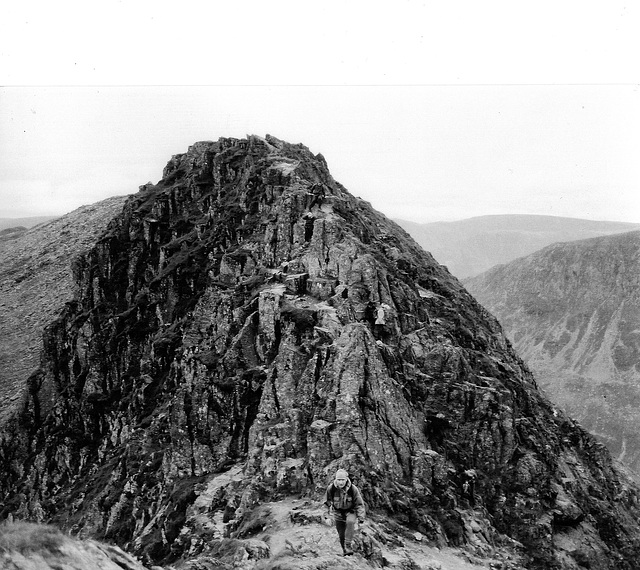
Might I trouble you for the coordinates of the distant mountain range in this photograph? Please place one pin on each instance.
(29, 222)
(572, 310)
(469, 247)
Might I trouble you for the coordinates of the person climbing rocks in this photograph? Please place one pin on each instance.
(344, 501)
(468, 486)
(380, 322)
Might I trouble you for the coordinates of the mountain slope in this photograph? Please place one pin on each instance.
(35, 281)
(469, 247)
(245, 327)
(572, 311)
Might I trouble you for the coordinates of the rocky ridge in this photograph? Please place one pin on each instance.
(245, 327)
(572, 311)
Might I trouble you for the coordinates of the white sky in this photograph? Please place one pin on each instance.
(429, 110)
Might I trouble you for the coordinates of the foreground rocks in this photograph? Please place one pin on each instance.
(27, 546)
(294, 537)
(245, 327)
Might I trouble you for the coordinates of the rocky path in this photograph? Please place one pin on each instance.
(295, 537)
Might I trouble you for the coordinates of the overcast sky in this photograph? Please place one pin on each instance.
(429, 110)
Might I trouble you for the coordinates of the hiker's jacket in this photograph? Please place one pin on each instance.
(344, 500)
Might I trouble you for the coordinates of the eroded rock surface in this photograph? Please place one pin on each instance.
(226, 351)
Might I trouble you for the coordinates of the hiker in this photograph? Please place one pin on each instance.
(380, 322)
(344, 501)
(468, 486)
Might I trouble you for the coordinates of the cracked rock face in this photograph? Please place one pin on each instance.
(244, 328)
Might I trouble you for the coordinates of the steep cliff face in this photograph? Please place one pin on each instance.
(572, 311)
(245, 327)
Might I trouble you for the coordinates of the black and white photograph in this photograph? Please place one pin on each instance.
(332, 286)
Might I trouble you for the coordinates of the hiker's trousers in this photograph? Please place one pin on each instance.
(345, 523)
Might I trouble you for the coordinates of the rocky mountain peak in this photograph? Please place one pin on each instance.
(245, 327)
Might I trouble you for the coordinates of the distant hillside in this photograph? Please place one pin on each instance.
(469, 247)
(25, 222)
(36, 281)
(12, 233)
(572, 311)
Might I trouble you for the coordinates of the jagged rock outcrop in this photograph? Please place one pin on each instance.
(246, 326)
(470, 247)
(35, 280)
(572, 311)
